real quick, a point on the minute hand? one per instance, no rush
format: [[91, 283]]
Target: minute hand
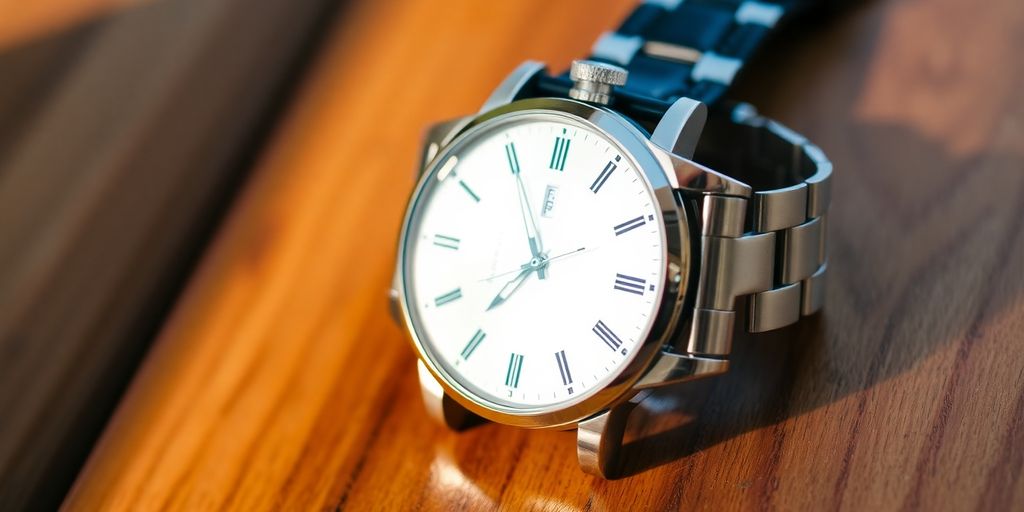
[[536, 245]]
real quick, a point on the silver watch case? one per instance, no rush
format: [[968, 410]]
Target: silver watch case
[[667, 171]]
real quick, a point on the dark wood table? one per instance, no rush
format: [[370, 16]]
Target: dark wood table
[[278, 380]]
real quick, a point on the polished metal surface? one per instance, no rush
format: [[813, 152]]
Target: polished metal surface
[[677, 219], [819, 186], [801, 251], [775, 308], [767, 243], [440, 406], [713, 335], [780, 208], [593, 81], [679, 130], [813, 292], [511, 88], [599, 440], [723, 216], [731, 267], [437, 136], [671, 368], [785, 277], [692, 177]]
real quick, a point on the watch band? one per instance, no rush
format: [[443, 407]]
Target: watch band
[[769, 245], [676, 48]]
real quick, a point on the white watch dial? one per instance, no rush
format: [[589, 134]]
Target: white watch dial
[[533, 262]]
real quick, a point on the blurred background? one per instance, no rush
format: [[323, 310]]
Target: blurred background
[[199, 203]]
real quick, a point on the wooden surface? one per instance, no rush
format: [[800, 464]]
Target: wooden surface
[[280, 381], [121, 141], [25, 20]]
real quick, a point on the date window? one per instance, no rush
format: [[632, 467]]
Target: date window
[[550, 195]]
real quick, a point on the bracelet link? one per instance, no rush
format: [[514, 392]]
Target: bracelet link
[[778, 257], [730, 267]]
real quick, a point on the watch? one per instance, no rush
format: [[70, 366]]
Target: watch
[[590, 236]]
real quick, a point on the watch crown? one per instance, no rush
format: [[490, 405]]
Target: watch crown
[[593, 81]]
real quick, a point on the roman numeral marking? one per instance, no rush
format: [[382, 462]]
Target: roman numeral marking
[[448, 297], [630, 284], [629, 225], [473, 343], [469, 191], [609, 168], [447, 242], [515, 366], [563, 368], [513, 160], [559, 153], [607, 336]]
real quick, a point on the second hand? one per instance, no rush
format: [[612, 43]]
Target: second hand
[[522, 267]]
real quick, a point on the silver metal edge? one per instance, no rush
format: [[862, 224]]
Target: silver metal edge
[[677, 270]]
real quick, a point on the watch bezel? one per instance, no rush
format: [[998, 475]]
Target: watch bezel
[[677, 223]]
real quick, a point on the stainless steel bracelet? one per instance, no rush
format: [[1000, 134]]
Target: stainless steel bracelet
[[769, 245]]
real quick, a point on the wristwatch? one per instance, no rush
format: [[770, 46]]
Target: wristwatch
[[586, 237]]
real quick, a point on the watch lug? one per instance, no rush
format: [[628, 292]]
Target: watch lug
[[395, 307], [676, 137], [440, 406], [511, 88], [694, 178], [438, 135], [675, 368], [599, 438], [680, 127]]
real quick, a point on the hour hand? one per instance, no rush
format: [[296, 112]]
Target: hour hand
[[510, 287]]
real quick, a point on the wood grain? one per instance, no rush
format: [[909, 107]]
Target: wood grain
[[24, 20], [280, 382], [120, 144]]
